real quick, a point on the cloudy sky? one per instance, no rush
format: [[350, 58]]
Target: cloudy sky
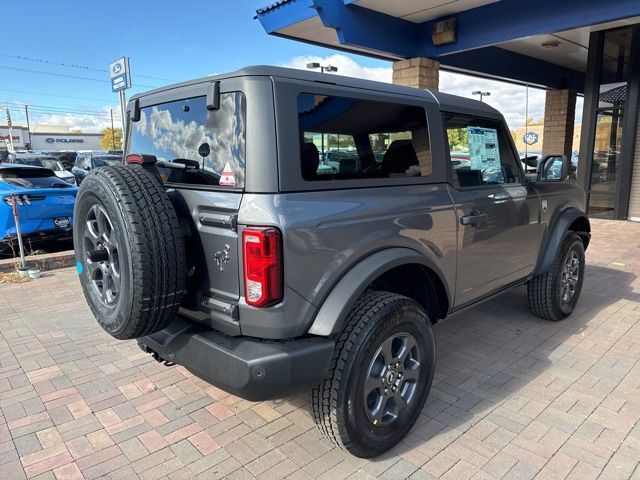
[[67, 82], [507, 98]]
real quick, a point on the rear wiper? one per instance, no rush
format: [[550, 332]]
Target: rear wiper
[[181, 163]]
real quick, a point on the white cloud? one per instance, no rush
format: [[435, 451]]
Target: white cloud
[[346, 66], [87, 122], [508, 98]]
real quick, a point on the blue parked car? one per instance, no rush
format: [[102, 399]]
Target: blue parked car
[[44, 201]]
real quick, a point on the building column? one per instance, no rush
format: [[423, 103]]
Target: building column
[[559, 113], [417, 72]]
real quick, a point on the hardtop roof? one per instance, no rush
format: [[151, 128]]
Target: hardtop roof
[[445, 100]]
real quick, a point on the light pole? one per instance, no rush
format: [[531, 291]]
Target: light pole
[[482, 94], [113, 132], [323, 68]]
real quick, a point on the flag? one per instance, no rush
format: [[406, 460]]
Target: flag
[[9, 124]]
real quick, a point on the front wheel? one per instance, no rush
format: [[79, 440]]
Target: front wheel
[[380, 375], [553, 295]]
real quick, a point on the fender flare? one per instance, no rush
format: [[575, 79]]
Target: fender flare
[[337, 305], [555, 236]]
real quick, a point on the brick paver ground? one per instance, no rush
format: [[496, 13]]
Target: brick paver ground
[[514, 396]]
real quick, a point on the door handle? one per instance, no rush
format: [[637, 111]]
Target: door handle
[[473, 218], [499, 196]]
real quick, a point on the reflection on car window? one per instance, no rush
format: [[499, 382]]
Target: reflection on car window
[[40, 162], [29, 179], [553, 168], [348, 138], [107, 161], [480, 152], [212, 142]]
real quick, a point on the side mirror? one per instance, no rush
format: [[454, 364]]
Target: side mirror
[[552, 168]]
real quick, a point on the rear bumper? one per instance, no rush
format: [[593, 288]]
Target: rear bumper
[[35, 238], [249, 368]]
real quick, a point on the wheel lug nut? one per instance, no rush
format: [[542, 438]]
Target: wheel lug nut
[[400, 375]]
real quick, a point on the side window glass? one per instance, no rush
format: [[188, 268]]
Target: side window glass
[[480, 152], [346, 138]]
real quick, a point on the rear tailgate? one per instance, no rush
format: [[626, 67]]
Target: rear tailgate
[[205, 133], [213, 256], [49, 203]]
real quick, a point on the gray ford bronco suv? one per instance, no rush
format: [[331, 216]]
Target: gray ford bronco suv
[[277, 230]]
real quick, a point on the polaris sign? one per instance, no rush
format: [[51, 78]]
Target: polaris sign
[[64, 140], [54, 142]]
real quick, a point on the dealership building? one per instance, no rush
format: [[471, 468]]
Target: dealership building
[[49, 138], [569, 48]]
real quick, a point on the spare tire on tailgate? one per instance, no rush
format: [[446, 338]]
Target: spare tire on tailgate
[[129, 251]]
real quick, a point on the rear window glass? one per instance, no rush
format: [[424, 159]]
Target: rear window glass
[[50, 163], [210, 142], [32, 179], [348, 138], [107, 161]]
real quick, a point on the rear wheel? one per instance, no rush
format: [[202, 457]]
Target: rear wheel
[[380, 375], [129, 251], [553, 295]]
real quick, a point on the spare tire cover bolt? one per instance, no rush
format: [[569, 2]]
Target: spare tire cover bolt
[[99, 255]]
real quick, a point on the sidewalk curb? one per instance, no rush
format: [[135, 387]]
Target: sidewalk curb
[[46, 261]]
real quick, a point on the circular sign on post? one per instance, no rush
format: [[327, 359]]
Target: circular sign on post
[[204, 150], [530, 138]]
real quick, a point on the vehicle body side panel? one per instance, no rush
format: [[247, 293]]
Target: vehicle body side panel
[[324, 237], [338, 304], [566, 202], [501, 249]]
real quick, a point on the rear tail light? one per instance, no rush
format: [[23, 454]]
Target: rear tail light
[[262, 252], [21, 200], [134, 158]]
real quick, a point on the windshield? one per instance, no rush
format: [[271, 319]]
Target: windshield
[[50, 163], [32, 179], [110, 161], [210, 142]]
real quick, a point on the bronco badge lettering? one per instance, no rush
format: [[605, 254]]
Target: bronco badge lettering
[[222, 257]]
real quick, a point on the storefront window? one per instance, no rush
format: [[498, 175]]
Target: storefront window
[[612, 100]]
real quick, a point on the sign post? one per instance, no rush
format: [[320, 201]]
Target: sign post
[[120, 81], [14, 205]]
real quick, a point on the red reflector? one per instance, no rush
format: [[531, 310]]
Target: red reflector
[[261, 249], [134, 158]]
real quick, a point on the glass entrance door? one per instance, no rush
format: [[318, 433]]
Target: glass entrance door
[[605, 164], [611, 105]]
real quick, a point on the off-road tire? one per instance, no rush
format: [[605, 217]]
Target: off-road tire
[[337, 407], [152, 258], [544, 290]]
